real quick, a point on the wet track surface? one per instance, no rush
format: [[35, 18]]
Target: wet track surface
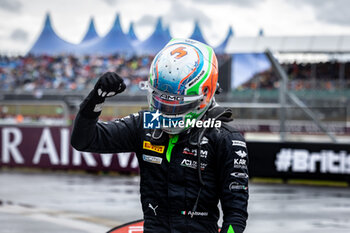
[[71, 203]]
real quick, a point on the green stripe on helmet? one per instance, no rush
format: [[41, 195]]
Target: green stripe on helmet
[[150, 79], [194, 90]]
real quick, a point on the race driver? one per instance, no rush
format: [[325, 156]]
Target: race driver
[[185, 169]]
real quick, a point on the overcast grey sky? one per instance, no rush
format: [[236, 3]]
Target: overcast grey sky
[[21, 20]]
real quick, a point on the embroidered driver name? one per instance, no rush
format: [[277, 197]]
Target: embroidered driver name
[[156, 148]]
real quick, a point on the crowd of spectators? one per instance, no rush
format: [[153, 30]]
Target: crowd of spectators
[[30, 73], [305, 76], [73, 73]]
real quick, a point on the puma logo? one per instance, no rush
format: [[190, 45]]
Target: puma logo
[[153, 208]]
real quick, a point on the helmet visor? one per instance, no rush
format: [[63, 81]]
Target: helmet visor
[[171, 104], [173, 107]]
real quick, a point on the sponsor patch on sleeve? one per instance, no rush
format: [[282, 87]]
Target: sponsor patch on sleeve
[[234, 186], [239, 175], [241, 153], [239, 143]]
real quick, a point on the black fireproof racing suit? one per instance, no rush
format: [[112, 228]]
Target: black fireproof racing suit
[[169, 178]]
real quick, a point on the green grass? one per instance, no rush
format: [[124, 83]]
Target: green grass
[[33, 110]]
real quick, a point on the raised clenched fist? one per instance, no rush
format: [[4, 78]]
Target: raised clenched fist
[[109, 84]]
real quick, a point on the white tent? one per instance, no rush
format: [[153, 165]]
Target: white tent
[[289, 44]]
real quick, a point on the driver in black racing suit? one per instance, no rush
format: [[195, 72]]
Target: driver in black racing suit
[[177, 195]]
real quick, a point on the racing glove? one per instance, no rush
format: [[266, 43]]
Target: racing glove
[[108, 85]]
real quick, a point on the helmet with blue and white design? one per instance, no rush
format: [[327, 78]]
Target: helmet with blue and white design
[[183, 80]]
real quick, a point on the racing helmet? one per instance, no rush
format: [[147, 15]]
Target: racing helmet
[[182, 83]]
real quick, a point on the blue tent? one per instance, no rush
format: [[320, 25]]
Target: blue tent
[[155, 42], [222, 46], [114, 42], [197, 34], [49, 42], [91, 33], [167, 33], [131, 34]]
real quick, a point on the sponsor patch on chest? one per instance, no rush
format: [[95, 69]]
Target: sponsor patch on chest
[[156, 148], [152, 159], [192, 164], [187, 151]]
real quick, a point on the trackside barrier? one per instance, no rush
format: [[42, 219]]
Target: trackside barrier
[[49, 147], [300, 160]]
